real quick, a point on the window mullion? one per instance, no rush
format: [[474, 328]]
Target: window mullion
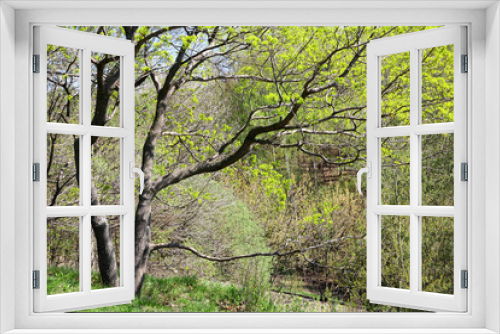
[[414, 172], [86, 121], [86, 177]]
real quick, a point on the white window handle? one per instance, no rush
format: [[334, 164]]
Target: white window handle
[[135, 170], [368, 171]]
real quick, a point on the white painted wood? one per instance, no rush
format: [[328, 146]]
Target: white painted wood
[[127, 229], [394, 210], [7, 166], [107, 131], [415, 298], [258, 331], [392, 131], [85, 185], [434, 211], [491, 163], [86, 43], [471, 322], [373, 185], [415, 166], [407, 210], [78, 211], [431, 129], [418, 129], [460, 155], [76, 129], [248, 4]]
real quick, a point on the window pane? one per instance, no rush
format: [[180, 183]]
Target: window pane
[[105, 253], [437, 254], [437, 170], [105, 90], [437, 84], [105, 171], [395, 89], [395, 171], [395, 243], [63, 255], [62, 170], [63, 85]]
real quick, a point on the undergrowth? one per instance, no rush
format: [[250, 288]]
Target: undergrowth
[[181, 294]]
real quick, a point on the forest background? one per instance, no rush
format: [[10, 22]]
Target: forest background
[[250, 139]]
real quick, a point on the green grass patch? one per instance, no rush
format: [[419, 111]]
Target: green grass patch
[[180, 294], [62, 280], [65, 280], [189, 294]]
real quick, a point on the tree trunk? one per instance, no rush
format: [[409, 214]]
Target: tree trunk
[[142, 239], [105, 252], [106, 255]]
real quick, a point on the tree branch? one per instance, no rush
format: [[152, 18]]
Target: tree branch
[[157, 33], [218, 162], [240, 77], [278, 253]]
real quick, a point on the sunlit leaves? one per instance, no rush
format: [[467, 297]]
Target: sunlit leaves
[[437, 84], [395, 89]]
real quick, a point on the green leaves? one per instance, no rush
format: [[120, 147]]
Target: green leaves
[[272, 98]]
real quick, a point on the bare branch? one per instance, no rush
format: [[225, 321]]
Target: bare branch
[[179, 134], [240, 77], [278, 253], [328, 161]]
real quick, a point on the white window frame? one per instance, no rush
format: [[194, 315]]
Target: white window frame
[[483, 20], [414, 297], [85, 44]]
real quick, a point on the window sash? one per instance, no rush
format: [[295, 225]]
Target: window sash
[[86, 298], [414, 298]]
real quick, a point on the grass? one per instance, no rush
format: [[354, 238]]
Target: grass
[[181, 294], [62, 280], [65, 280]]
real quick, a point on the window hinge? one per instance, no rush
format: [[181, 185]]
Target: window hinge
[[36, 63], [36, 279], [36, 172], [465, 279], [464, 171], [465, 64]]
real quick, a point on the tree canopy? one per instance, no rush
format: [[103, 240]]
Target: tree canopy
[[263, 113]]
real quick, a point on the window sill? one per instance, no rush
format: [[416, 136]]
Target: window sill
[[251, 331]]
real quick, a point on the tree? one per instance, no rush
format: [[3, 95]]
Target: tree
[[299, 88], [266, 124]]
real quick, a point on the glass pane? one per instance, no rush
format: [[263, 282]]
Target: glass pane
[[63, 255], [395, 89], [63, 85], [395, 243], [437, 84], [395, 171], [105, 90], [437, 170], [105, 258], [437, 254], [62, 170], [105, 171]]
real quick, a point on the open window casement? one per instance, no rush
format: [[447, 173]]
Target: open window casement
[[82, 186], [416, 147]]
